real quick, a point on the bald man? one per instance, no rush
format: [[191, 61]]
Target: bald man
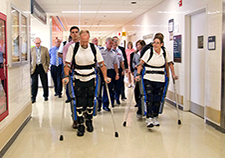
[[56, 68], [39, 66], [84, 61]]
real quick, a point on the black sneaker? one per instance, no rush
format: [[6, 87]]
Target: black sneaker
[[81, 130], [68, 100], [89, 125]]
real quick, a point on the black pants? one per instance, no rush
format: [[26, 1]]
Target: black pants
[[101, 84], [154, 92], [111, 74], [56, 72], [84, 93], [123, 88], [118, 85], [44, 81]]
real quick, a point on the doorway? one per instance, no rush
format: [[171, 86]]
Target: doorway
[[196, 43]]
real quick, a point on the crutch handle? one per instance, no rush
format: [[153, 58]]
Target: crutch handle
[[174, 79]]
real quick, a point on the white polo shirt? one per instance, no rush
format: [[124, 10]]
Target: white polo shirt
[[156, 60], [84, 57]]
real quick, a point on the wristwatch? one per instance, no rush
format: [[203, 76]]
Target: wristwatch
[[66, 76], [138, 74], [67, 65]]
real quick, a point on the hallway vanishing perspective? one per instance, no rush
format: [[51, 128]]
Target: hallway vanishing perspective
[[40, 138]]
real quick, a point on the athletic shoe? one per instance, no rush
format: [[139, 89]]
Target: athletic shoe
[[106, 109], [89, 125], [155, 121], [81, 130], [139, 116], [68, 100], [149, 122]]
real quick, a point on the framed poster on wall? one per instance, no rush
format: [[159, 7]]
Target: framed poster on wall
[[3, 68], [177, 47]]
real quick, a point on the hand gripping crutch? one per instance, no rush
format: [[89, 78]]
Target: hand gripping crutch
[[131, 99], [175, 96], [64, 95], [112, 114]]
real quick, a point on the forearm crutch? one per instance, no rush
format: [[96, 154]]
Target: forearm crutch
[[175, 96], [62, 120], [131, 99], [112, 114]]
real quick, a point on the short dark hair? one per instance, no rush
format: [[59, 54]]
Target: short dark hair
[[74, 27], [160, 38], [142, 42], [159, 35]]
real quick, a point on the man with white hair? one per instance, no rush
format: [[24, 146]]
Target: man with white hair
[[39, 66]]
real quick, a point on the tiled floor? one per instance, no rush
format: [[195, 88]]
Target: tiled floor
[[40, 138]]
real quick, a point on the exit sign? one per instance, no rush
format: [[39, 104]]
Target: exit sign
[[180, 3]]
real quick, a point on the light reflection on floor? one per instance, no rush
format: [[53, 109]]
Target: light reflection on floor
[[40, 138]]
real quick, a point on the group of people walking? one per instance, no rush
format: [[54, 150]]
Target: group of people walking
[[79, 62]]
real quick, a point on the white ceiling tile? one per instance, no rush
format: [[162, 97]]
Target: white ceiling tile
[[55, 8]]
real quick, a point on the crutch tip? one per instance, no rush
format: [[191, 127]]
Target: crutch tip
[[179, 122], [116, 134], [124, 123], [61, 138]]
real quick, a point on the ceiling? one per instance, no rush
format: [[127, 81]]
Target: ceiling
[[98, 23]]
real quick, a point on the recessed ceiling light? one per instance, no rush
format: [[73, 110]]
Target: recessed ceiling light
[[133, 2], [96, 12]]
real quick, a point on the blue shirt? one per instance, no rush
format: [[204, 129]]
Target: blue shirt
[[110, 57], [38, 55], [53, 52], [119, 55]]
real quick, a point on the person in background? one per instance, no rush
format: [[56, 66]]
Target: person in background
[[39, 66], [139, 91], [129, 50], [121, 69], [74, 33], [111, 61], [95, 42], [123, 97], [56, 67]]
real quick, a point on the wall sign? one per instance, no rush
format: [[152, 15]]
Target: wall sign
[[177, 47], [200, 42], [170, 25], [38, 12], [212, 43]]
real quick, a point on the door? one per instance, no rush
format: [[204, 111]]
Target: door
[[3, 68], [198, 46]]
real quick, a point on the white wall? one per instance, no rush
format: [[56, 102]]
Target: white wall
[[19, 91], [38, 29], [156, 20]]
